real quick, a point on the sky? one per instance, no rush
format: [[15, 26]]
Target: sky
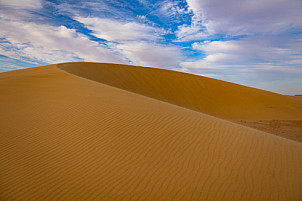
[[254, 43]]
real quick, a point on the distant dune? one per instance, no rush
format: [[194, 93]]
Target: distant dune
[[87, 131]]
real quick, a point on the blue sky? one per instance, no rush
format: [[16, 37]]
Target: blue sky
[[255, 43]]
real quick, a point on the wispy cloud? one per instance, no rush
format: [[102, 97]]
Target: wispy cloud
[[24, 4], [257, 55], [175, 9], [51, 44], [113, 30], [248, 17], [252, 50], [151, 54], [138, 42]]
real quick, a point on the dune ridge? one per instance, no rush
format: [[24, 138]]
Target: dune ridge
[[68, 138]]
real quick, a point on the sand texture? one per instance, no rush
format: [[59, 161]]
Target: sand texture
[[65, 137]]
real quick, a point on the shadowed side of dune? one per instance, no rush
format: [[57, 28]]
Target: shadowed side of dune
[[206, 95], [68, 138]]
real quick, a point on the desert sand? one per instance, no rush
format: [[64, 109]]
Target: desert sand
[[274, 113], [87, 131]]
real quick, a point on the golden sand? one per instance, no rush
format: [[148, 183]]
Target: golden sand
[[207, 95], [251, 107], [64, 137]]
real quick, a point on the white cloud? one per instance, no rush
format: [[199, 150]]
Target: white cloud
[[22, 4], [19, 10], [252, 50], [138, 42], [248, 17], [241, 17], [172, 8], [151, 54], [113, 30], [12, 52], [270, 53], [192, 32], [52, 44]]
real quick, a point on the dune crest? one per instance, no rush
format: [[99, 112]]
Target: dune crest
[[68, 138]]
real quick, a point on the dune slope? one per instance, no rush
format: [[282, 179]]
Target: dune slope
[[63, 137], [270, 112], [215, 97]]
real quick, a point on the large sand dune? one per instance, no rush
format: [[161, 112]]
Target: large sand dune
[[64, 137], [218, 98], [274, 113]]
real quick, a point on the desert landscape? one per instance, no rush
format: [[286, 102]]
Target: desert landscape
[[101, 131]]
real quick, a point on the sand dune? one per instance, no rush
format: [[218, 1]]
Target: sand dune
[[217, 98], [248, 106], [64, 137]]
